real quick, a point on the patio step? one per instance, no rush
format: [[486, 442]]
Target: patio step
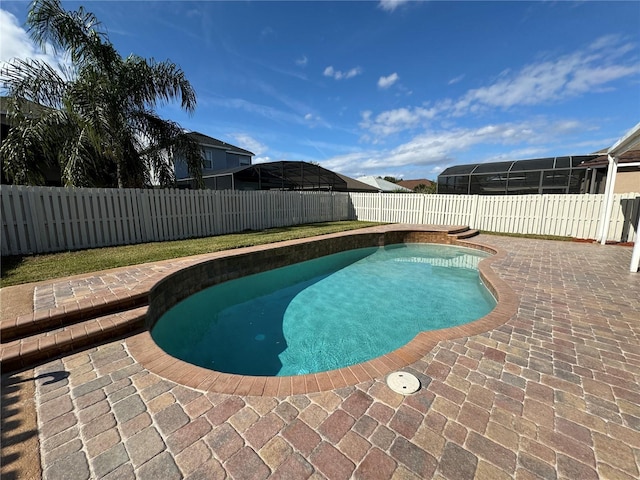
[[36, 347], [454, 230], [46, 320], [463, 234]]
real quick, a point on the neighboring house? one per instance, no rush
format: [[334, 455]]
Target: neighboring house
[[4, 117], [217, 156], [413, 184], [50, 173], [383, 185], [627, 177], [567, 174], [354, 185]]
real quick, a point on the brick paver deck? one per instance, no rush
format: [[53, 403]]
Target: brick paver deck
[[552, 393]]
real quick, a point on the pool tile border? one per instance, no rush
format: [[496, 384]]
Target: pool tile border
[[143, 348]]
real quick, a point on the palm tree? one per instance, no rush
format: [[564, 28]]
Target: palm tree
[[96, 119]]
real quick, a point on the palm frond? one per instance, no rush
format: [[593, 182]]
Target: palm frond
[[33, 80], [77, 32], [97, 121]]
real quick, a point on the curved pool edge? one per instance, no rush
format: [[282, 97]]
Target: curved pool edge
[[144, 349]]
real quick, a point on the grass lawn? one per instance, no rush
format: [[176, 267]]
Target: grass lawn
[[34, 268], [530, 235]]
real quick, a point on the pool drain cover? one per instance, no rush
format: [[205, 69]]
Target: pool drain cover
[[403, 382]]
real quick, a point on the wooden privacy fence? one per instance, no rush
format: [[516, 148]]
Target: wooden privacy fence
[[563, 215], [44, 219]]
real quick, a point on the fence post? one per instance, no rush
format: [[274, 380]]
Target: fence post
[[144, 207], [36, 219], [473, 217]]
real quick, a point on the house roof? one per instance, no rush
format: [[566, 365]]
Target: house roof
[[354, 185], [411, 184], [33, 108], [382, 184], [208, 141], [630, 156]]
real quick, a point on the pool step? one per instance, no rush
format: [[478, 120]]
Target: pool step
[[38, 346], [464, 233], [46, 320]]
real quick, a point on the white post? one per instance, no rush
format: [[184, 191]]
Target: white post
[[473, 217], [608, 201], [603, 210], [635, 256]]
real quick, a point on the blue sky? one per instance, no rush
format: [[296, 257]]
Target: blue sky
[[391, 87]]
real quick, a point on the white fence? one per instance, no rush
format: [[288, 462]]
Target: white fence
[[563, 215], [43, 219]]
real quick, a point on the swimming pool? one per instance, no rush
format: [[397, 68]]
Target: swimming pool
[[326, 313]]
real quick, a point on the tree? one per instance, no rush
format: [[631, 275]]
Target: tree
[[96, 119], [422, 188], [392, 179]]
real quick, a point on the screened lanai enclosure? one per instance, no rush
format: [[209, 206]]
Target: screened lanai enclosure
[[273, 176], [521, 177]]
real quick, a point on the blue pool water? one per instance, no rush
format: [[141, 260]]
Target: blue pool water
[[326, 313]]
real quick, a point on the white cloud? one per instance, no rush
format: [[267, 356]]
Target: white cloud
[[455, 80], [294, 113], [391, 5], [247, 142], [264, 159], [340, 75], [392, 121], [302, 61], [353, 72], [349, 164], [265, 111], [565, 77], [606, 42], [551, 80], [441, 147], [517, 154], [386, 82], [17, 44], [313, 120]]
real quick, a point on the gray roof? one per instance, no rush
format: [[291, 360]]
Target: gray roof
[[354, 185], [382, 184], [208, 141]]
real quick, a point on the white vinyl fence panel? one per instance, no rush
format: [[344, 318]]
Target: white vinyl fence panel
[[562, 215], [45, 219]]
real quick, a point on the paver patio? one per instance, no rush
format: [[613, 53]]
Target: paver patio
[[552, 393]]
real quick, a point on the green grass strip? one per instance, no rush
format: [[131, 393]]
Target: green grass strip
[[529, 235], [34, 268]]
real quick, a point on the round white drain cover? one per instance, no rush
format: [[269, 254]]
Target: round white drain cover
[[403, 382]]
